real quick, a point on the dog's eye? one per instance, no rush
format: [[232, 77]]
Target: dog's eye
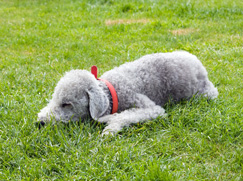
[[66, 105]]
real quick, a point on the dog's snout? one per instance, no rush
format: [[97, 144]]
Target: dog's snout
[[40, 124]]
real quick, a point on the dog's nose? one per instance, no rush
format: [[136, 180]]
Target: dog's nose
[[40, 124]]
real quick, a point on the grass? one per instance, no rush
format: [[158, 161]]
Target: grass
[[41, 39]]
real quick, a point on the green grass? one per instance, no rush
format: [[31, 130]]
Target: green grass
[[41, 39]]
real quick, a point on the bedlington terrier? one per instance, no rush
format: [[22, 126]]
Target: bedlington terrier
[[141, 86]]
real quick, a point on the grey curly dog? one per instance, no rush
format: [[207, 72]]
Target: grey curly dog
[[142, 87]]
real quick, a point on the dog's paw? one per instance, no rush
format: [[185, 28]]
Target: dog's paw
[[112, 129], [107, 133]]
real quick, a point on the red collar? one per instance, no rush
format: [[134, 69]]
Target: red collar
[[94, 71]]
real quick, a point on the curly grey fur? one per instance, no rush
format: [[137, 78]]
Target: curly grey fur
[[142, 86]]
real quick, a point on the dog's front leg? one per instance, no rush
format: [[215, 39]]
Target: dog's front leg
[[145, 109]]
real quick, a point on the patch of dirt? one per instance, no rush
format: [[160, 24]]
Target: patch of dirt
[[185, 31], [126, 21]]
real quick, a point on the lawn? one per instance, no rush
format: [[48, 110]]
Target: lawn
[[40, 40]]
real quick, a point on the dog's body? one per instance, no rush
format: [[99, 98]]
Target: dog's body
[[142, 87]]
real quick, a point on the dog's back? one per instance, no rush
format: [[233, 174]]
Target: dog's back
[[163, 76]]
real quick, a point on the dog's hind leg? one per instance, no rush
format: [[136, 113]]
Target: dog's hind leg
[[208, 90], [212, 92]]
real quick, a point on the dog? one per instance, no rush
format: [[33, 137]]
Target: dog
[[131, 93]]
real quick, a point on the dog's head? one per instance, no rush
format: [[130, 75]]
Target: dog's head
[[76, 96]]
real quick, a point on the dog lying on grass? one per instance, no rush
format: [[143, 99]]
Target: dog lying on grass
[[131, 93]]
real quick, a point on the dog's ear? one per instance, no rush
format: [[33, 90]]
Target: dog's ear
[[98, 102]]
